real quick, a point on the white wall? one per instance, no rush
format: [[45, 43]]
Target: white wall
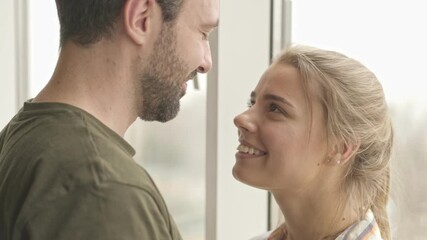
[[7, 62]]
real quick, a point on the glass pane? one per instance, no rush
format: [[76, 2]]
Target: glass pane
[[8, 89], [386, 36], [43, 43], [174, 154]]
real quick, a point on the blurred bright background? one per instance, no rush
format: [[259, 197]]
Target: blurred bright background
[[191, 157], [390, 38]]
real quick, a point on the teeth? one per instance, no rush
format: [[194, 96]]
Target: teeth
[[246, 149], [252, 151], [249, 150]]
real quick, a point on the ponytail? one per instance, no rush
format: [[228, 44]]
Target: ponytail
[[379, 208]]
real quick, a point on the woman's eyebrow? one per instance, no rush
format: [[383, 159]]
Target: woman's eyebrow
[[253, 94], [274, 98], [278, 99]]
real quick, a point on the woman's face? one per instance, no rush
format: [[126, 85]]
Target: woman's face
[[282, 140]]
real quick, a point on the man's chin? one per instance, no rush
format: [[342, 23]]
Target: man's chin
[[164, 115], [166, 118], [183, 89], [183, 94]]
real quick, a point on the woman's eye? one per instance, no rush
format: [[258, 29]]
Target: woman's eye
[[276, 109]]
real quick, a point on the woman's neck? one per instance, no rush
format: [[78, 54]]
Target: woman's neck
[[314, 214]]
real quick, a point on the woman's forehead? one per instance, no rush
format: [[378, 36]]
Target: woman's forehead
[[285, 80], [281, 80]]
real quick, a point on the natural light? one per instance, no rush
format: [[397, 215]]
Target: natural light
[[385, 35]]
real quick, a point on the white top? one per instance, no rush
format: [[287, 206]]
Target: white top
[[262, 237], [366, 229]]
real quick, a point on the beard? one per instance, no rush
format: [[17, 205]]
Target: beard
[[161, 82]]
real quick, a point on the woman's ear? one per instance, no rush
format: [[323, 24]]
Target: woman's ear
[[139, 17], [342, 152]]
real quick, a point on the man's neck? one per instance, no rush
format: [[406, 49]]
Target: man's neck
[[97, 80]]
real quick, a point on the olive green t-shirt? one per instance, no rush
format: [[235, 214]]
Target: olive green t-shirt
[[65, 175]]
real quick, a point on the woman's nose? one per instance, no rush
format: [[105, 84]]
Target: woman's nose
[[245, 122]]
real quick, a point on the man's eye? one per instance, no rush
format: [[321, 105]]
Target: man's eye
[[205, 36]]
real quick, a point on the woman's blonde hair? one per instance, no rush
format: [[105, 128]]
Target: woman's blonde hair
[[356, 112]]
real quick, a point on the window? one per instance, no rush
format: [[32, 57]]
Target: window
[[386, 36], [174, 154]]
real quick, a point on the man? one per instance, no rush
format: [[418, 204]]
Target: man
[[65, 170]]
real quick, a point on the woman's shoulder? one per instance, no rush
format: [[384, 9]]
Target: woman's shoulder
[[366, 229], [262, 236]]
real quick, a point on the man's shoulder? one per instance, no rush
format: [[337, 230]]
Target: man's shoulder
[[36, 127], [62, 147]]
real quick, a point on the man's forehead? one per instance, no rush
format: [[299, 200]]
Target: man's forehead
[[210, 7]]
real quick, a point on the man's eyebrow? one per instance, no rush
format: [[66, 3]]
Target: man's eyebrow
[[274, 98], [216, 23], [209, 25]]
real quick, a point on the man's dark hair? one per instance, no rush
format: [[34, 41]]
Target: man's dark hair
[[88, 21]]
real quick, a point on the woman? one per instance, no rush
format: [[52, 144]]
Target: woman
[[318, 136]]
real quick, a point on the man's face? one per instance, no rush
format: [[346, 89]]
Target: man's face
[[163, 81], [181, 51]]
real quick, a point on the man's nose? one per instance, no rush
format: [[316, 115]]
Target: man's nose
[[206, 63]]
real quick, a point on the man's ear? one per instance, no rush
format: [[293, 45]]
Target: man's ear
[[342, 152], [138, 19]]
